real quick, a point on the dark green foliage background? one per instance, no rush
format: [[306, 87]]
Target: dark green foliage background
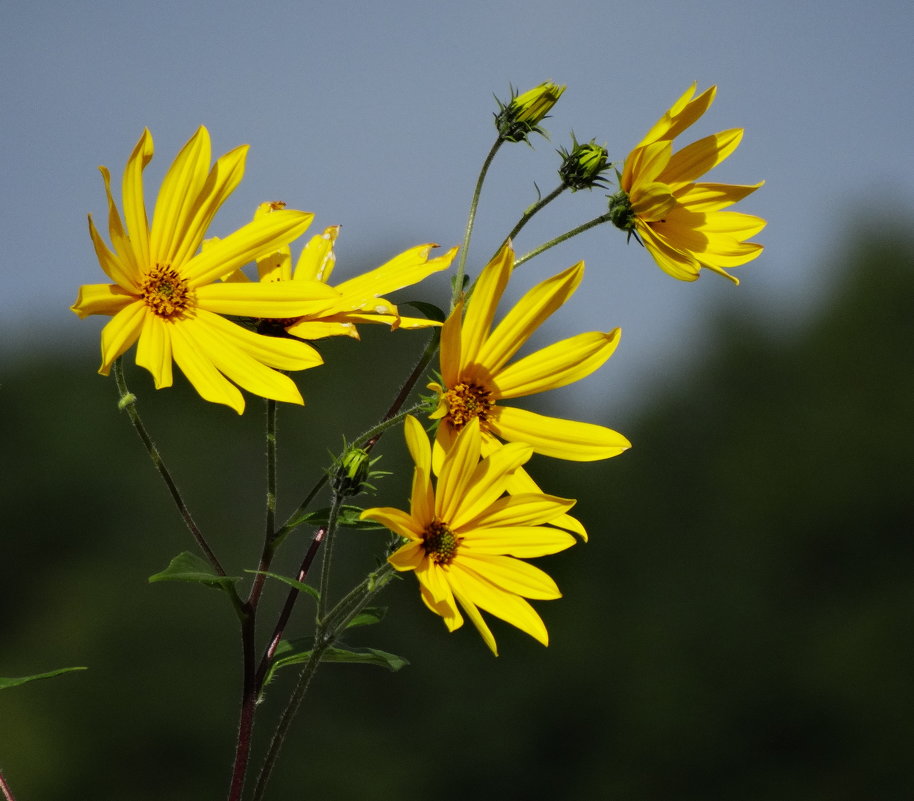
[[738, 627]]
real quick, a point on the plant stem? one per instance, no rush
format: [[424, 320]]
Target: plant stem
[[5, 788], [324, 638], [127, 402], [559, 239], [250, 682], [529, 212], [471, 218]]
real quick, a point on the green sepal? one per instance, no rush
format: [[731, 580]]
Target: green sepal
[[430, 310], [187, 566], [298, 585], [298, 651], [6, 683]]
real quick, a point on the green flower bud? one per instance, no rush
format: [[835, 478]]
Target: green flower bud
[[352, 472], [621, 214], [583, 166], [521, 117]]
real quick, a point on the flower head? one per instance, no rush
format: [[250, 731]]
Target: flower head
[[477, 373], [163, 294], [520, 117], [359, 299], [679, 221], [477, 376], [463, 539]]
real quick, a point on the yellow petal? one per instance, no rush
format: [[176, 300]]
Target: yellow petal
[[121, 271], [395, 519], [284, 354], [670, 259], [506, 605], [317, 259], [696, 159], [120, 333], [557, 365], [644, 165], [222, 180], [520, 482], [437, 595], [480, 309], [134, 202], [178, 197], [652, 201], [681, 115], [525, 317], [552, 436], [486, 482], [410, 267], [154, 349], [248, 243], [524, 509], [521, 541], [201, 372], [510, 574], [407, 557], [101, 299], [272, 301], [451, 358], [276, 266], [119, 240], [713, 197], [473, 614], [237, 364], [456, 473], [319, 329]]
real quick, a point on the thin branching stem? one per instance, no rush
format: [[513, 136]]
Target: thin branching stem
[[471, 219], [127, 402], [559, 239], [530, 212]]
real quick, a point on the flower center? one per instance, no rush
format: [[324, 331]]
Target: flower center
[[466, 401], [440, 543], [165, 292]]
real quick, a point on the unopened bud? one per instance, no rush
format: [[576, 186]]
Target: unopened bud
[[583, 166], [521, 117]]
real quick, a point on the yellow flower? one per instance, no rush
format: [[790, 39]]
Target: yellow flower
[[477, 377], [681, 222], [164, 296], [359, 299], [463, 537]]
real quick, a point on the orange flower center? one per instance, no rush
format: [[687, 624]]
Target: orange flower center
[[165, 292], [466, 401], [440, 543]]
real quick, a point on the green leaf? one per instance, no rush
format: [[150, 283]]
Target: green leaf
[[5, 683], [368, 616], [187, 566], [348, 517], [430, 310], [298, 585], [298, 651]]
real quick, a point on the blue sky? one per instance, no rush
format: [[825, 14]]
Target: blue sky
[[377, 116]]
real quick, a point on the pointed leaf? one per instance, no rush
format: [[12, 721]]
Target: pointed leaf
[[298, 585], [187, 566], [6, 682], [368, 616]]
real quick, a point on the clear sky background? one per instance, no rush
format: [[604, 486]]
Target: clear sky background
[[378, 115]]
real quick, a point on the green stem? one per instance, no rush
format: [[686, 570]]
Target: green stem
[[529, 212], [127, 402], [335, 503], [471, 218], [324, 638], [559, 239]]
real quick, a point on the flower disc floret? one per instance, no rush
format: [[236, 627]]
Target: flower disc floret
[[466, 402], [165, 292], [440, 543]]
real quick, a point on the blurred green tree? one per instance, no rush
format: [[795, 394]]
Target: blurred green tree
[[735, 629]]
